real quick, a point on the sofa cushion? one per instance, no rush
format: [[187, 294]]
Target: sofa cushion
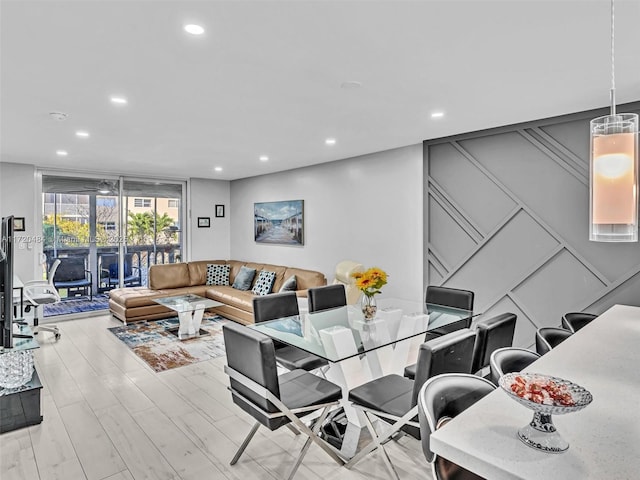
[[198, 270], [306, 278], [289, 285], [218, 274], [171, 275], [229, 295], [264, 283], [132, 297], [244, 279]]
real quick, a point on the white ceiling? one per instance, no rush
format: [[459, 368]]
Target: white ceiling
[[266, 77]]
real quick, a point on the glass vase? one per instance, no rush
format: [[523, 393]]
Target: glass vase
[[369, 306]]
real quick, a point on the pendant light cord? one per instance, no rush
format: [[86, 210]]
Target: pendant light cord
[[613, 68]]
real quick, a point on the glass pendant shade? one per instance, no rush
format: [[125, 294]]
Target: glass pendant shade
[[613, 184]]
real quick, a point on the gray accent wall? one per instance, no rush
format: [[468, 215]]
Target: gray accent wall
[[506, 215]]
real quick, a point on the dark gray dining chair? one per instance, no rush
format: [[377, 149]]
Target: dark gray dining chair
[[574, 321], [508, 360], [393, 399], [275, 401], [491, 334], [548, 338], [278, 305], [441, 399], [324, 298]]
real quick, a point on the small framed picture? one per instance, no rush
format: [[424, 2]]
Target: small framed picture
[[219, 211], [204, 222], [18, 224]]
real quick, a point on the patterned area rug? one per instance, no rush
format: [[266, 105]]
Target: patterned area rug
[[77, 305], [162, 350]]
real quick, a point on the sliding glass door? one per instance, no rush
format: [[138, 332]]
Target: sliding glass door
[[115, 228]]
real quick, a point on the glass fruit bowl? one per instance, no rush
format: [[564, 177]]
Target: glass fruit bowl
[[546, 396]]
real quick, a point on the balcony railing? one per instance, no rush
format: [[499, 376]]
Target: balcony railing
[[143, 256]]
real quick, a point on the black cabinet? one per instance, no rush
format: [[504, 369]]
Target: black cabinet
[[22, 407]]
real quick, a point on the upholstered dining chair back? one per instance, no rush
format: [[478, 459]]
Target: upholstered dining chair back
[[574, 321], [444, 397], [324, 298], [491, 334], [344, 272], [274, 305], [508, 360], [252, 354], [450, 297], [450, 353], [548, 338]]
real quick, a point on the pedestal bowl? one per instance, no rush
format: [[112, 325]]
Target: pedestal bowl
[[546, 396]]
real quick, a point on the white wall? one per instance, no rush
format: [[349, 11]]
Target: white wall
[[367, 209], [209, 243], [18, 198]]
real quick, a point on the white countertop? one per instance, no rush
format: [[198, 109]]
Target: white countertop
[[604, 438]]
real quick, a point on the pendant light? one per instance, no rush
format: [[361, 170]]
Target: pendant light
[[613, 182]]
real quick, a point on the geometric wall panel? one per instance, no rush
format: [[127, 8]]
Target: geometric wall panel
[[561, 285], [449, 240], [506, 215], [501, 263], [476, 195]]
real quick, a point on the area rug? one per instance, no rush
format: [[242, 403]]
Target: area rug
[[162, 350], [77, 305]]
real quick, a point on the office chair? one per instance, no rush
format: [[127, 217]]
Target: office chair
[[38, 293], [574, 321], [548, 338], [510, 359], [323, 298]]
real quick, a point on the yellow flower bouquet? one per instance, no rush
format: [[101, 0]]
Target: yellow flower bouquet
[[369, 283]]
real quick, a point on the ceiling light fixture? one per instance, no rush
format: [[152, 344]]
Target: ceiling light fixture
[[437, 115], [105, 188], [264, 158], [194, 29], [59, 116], [330, 141], [62, 153], [82, 133], [119, 100], [613, 168], [351, 84], [218, 169]]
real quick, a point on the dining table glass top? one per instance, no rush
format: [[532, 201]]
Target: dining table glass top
[[310, 331]]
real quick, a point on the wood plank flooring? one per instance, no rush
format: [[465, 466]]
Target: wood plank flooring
[[108, 416]]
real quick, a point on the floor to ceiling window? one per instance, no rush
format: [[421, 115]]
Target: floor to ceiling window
[[107, 233]]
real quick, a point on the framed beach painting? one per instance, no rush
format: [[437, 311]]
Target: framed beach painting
[[279, 222]]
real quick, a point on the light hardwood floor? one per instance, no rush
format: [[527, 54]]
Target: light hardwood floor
[[108, 416]]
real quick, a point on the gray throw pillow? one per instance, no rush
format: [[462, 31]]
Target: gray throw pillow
[[264, 283], [289, 285], [244, 278], [217, 274]]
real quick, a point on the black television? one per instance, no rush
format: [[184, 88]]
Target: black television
[[6, 282]]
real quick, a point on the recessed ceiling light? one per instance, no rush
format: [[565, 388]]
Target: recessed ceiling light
[[119, 100], [264, 158], [330, 141], [82, 133], [218, 169], [62, 153], [59, 116], [350, 84], [437, 115], [194, 29]]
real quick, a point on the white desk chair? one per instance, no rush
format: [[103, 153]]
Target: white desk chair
[[38, 293]]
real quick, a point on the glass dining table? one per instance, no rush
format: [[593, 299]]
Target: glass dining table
[[360, 350], [312, 332]]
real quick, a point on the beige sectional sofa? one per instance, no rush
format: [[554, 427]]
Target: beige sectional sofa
[[132, 304]]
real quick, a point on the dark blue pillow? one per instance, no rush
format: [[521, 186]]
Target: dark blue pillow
[[244, 278]]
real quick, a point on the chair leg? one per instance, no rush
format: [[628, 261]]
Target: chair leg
[[307, 444], [293, 429], [380, 447], [246, 441]]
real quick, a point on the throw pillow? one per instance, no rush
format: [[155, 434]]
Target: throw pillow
[[217, 274], [290, 285], [244, 278], [264, 282]]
